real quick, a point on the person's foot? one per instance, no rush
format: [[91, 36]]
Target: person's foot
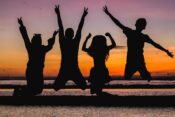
[[16, 91], [56, 87], [92, 91], [83, 87], [99, 93], [149, 79]]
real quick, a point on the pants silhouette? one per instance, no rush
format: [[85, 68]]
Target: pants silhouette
[[36, 53], [69, 46]]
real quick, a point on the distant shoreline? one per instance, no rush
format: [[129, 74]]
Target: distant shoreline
[[113, 78]]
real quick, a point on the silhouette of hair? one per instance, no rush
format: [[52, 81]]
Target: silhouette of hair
[[141, 23], [36, 40], [99, 44], [69, 33]]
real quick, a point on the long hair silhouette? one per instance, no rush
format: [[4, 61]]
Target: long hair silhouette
[[99, 51], [99, 46]]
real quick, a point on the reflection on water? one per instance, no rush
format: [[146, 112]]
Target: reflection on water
[[64, 111], [119, 92]]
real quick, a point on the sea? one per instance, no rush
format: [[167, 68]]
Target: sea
[[90, 111]]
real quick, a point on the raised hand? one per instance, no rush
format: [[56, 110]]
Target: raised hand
[[170, 54], [85, 11], [89, 36], [57, 9], [108, 34], [55, 33], [20, 21], [105, 9]]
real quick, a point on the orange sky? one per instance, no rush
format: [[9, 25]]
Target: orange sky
[[158, 63], [39, 17]]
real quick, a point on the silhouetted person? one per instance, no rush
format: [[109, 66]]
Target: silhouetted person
[[36, 54], [69, 45], [135, 43], [99, 51]]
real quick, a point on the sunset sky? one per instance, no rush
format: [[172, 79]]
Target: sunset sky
[[39, 17]]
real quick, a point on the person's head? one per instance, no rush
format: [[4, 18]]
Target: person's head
[[141, 24], [36, 40], [69, 33], [99, 46]]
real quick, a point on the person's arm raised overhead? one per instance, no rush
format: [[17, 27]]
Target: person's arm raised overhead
[[51, 42], [170, 54], [85, 43], [113, 45], [24, 33], [116, 21], [60, 24], [80, 26]]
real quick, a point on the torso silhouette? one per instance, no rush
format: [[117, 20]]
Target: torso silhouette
[[69, 69], [99, 73], [99, 59], [35, 66], [69, 53], [135, 44], [36, 57]]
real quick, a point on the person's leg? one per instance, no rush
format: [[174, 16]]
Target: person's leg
[[80, 81], [106, 76], [144, 73], [29, 76], [60, 82], [23, 91], [38, 82], [129, 71]]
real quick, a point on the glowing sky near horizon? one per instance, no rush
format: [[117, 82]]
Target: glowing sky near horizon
[[39, 17]]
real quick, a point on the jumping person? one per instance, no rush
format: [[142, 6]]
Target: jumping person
[[99, 51], [69, 45], [36, 54], [135, 43]]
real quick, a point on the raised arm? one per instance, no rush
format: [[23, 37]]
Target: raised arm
[[113, 45], [170, 54], [24, 34], [60, 24], [85, 43], [51, 42], [116, 21], [80, 26]]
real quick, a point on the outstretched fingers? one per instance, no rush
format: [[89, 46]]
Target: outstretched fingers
[[55, 32], [89, 36], [85, 11], [108, 34], [20, 21], [170, 54], [56, 8], [105, 9]]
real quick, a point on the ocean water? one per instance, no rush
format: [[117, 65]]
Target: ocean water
[[119, 92], [90, 111]]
